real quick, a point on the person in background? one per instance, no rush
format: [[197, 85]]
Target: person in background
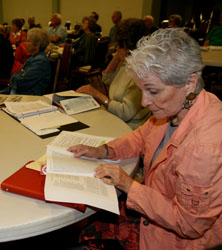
[[97, 28], [85, 47], [57, 32], [17, 35], [6, 54], [124, 97], [32, 24], [116, 19], [149, 20], [214, 37], [180, 200], [35, 75], [175, 21], [21, 55]]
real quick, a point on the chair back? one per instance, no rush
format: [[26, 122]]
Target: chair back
[[101, 52], [66, 59]]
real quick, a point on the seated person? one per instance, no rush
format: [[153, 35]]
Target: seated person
[[149, 20], [17, 35], [175, 21], [116, 19], [214, 37], [32, 24], [97, 28], [35, 75], [180, 199], [21, 55], [85, 47], [124, 97], [57, 32], [6, 52]]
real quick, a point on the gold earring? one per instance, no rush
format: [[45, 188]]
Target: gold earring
[[188, 103]]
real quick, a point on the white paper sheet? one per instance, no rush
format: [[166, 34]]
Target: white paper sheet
[[47, 120], [81, 189]]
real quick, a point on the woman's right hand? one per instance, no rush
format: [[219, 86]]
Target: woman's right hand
[[92, 152], [122, 53]]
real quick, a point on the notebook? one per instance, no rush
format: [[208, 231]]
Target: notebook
[[30, 183]]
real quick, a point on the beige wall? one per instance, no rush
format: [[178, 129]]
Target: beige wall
[[41, 9], [73, 10]]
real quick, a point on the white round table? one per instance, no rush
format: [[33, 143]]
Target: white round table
[[22, 217]]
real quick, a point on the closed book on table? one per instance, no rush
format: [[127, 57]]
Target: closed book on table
[[30, 183]]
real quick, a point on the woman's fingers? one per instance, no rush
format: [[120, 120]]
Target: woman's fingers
[[81, 150], [114, 174]]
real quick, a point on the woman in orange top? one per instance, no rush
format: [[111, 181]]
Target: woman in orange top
[[17, 35], [180, 201]]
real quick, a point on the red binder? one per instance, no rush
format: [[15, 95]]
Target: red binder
[[29, 182]]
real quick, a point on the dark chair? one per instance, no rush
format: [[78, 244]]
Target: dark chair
[[99, 64], [4, 85], [61, 69]]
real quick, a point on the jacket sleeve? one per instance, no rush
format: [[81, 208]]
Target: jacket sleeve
[[30, 76], [108, 78], [197, 202]]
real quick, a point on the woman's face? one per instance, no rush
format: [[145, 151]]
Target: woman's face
[[85, 25], [15, 28], [165, 101], [31, 48]]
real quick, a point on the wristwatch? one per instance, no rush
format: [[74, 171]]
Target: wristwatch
[[106, 101]]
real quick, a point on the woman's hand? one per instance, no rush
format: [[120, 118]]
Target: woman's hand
[[87, 89], [92, 152], [114, 174], [90, 90], [122, 54]]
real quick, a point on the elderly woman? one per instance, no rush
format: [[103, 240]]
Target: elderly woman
[[17, 35], [180, 200], [85, 46], [124, 97], [35, 75]]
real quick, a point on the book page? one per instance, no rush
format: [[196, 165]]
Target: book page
[[63, 162], [67, 139], [78, 105], [81, 189]]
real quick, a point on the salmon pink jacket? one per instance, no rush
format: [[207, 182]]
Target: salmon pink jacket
[[181, 198]]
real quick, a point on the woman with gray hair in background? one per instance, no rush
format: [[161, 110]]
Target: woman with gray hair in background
[[180, 200], [35, 75]]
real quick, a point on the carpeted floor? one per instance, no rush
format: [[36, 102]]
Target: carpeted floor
[[123, 228]]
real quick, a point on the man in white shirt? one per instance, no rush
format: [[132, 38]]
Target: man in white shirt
[[57, 32]]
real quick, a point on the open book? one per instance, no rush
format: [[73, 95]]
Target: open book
[[72, 102], [38, 116], [25, 109], [71, 179]]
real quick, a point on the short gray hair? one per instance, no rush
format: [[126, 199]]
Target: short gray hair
[[170, 54], [151, 18], [39, 36], [58, 16]]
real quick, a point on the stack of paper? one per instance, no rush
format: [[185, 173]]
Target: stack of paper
[[71, 179], [38, 116]]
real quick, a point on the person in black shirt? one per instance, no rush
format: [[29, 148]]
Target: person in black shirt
[[6, 52]]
